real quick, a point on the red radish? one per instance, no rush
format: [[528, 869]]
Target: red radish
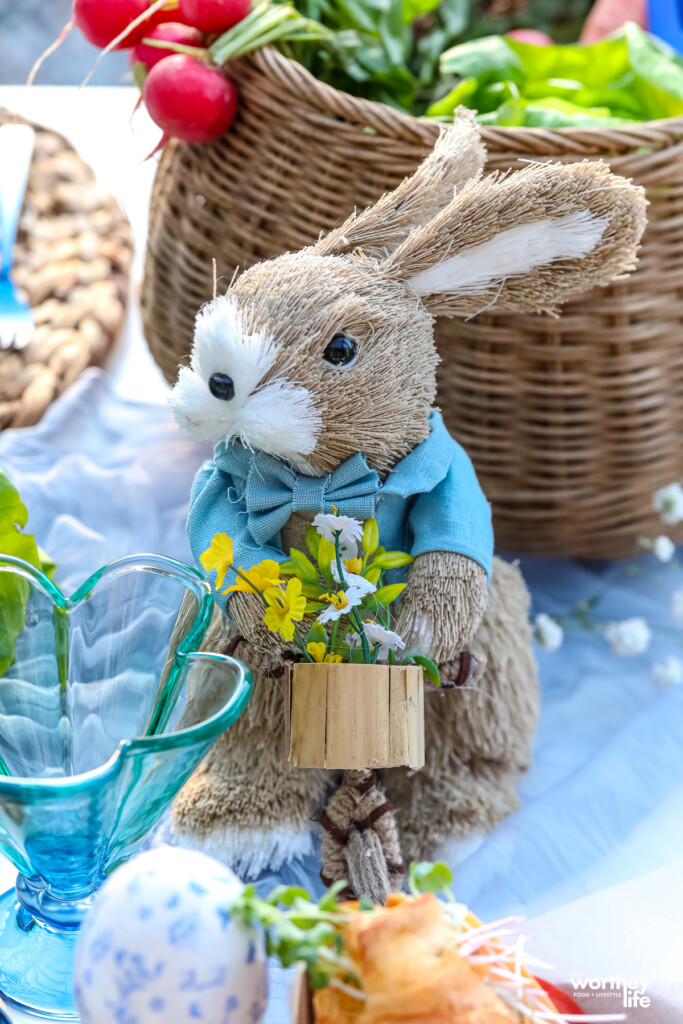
[[530, 35], [172, 32], [214, 16], [101, 21], [188, 99]]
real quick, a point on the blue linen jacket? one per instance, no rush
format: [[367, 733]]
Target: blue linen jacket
[[430, 501]]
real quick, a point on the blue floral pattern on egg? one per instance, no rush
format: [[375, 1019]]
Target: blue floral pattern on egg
[[160, 947]]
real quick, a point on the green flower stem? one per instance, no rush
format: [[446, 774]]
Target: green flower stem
[[356, 619], [337, 554], [332, 643], [353, 613], [300, 641]]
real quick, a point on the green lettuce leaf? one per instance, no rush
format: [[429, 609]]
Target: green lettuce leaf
[[488, 59], [631, 76], [413, 9], [658, 73], [14, 591]]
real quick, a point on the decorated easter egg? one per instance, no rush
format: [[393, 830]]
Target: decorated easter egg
[[160, 946]]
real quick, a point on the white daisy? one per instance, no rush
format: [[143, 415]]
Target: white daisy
[[548, 633], [358, 584], [349, 530], [668, 501], [629, 637], [669, 672], [663, 548], [388, 640]]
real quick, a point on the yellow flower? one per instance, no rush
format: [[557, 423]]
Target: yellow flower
[[354, 565], [317, 651], [333, 659], [284, 606], [218, 556], [338, 600], [265, 574]]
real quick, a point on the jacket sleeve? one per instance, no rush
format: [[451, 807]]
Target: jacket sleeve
[[216, 508], [454, 516]]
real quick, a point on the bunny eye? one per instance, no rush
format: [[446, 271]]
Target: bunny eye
[[341, 351]]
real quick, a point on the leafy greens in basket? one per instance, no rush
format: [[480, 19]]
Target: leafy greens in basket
[[631, 76], [400, 52]]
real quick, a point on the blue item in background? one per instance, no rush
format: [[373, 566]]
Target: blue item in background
[[666, 21]]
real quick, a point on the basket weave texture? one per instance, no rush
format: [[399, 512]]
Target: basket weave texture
[[572, 422]]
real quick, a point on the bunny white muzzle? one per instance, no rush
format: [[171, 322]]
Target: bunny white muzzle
[[224, 394]]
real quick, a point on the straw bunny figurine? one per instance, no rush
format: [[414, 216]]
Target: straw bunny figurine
[[315, 376]]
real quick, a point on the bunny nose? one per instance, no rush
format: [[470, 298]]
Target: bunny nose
[[221, 386]]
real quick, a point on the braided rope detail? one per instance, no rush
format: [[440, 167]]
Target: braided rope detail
[[360, 838]]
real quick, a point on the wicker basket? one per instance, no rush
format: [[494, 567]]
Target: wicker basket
[[572, 423]]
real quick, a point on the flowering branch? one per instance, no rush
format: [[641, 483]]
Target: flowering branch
[[632, 636]]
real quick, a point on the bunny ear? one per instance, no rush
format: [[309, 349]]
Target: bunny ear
[[457, 156], [523, 241]]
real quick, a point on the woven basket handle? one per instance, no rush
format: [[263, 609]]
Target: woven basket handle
[[303, 86]]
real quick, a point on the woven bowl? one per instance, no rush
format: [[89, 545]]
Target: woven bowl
[[572, 422], [72, 263]]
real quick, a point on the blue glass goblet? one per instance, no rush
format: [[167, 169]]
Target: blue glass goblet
[[105, 711]]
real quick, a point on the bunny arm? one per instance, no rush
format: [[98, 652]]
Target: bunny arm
[[442, 605], [245, 612]]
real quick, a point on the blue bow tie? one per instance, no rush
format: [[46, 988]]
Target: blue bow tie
[[273, 492]]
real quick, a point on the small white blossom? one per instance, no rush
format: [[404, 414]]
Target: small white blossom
[[677, 604], [629, 637], [668, 501], [549, 634], [669, 672], [350, 531], [356, 583], [388, 640], [663, 548]]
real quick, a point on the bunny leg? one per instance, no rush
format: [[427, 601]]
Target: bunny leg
[[478, 740], [242, 805]]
